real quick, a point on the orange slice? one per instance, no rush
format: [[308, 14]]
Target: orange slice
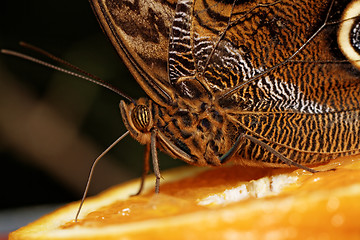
[[231, 202]]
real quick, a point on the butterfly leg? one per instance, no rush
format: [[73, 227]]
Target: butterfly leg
[[284, 159], [155, 160], [145, 170], [279, 155]]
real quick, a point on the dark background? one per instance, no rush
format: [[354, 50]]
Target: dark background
[[52, 125]]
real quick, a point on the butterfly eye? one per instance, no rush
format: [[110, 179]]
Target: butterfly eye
[[349, 33], [141, 117]]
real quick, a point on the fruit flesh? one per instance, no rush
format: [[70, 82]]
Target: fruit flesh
[[221, 203], [211, 190]]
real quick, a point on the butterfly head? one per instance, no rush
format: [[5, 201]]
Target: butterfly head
[[138, 119]]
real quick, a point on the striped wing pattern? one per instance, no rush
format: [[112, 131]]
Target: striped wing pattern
[[305, 109]]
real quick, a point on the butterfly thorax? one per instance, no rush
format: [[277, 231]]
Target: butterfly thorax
[[195, 133]]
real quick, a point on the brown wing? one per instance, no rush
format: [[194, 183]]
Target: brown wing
[[139, 31], [310, 104], [214, 46], [223, 44]]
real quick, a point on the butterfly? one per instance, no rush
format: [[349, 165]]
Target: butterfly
[[259, 83]]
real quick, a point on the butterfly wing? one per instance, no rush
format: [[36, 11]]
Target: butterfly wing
[[139, 31], [306, 106], [225, 50]]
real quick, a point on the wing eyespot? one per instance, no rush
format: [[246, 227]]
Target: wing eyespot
[[349, 33]]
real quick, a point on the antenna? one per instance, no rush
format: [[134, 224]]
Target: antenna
[[82, 73]]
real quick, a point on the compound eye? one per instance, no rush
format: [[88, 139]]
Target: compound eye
[[141, 117], [349, 33]]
